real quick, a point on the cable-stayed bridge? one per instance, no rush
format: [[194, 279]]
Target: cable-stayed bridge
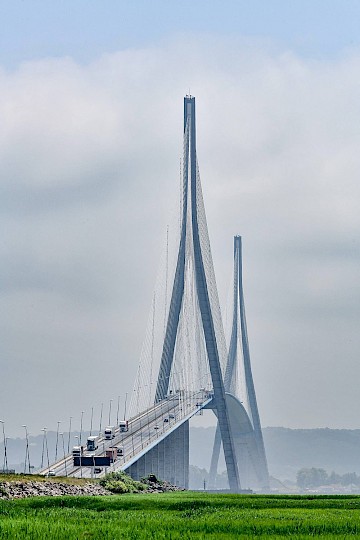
[[149, 437], [184, 365]]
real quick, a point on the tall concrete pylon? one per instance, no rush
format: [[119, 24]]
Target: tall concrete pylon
[[200, 248], [249, 442]]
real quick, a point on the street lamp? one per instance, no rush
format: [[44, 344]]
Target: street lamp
[[6, 442], [57, 439], [27, 451], [126, 395], [91, 420], [6, 466], [79, 445], [101, 415], [63, 445], [117, 412], [110, 411], [81, 426], [45, 447], [69, 434]]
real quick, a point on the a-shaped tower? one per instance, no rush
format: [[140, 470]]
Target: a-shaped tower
[[194, 247], [241, 397]]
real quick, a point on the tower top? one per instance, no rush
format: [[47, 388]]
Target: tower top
[[189, 114]]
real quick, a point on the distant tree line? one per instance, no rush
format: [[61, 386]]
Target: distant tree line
[[312, 478]]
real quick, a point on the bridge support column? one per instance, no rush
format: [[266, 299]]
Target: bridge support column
[[168, 460]]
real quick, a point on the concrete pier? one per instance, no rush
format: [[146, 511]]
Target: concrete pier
[[169, 460]]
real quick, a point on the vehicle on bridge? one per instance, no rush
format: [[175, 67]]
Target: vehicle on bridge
[[123, 425], [77, 451], [92, 443], [112, 453], [109, 432], [120, 450]]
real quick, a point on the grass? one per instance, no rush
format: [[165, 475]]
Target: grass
[[42, 478], [183, 515]]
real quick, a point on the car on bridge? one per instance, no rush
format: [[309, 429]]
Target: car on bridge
[[109, 432], [120, 450], [123, 426], [77, 451], [92, 443]]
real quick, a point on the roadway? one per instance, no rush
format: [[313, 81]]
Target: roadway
[[144, 432]]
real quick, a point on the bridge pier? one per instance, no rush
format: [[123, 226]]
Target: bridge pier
[[168, 460]]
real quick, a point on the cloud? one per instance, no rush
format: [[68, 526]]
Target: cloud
[[90, 165]]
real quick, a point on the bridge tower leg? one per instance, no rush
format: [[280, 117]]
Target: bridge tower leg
[[239, 323], [190, 228]]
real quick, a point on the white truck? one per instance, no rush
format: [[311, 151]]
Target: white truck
[[123, 425], [77, 451], [109, 432], [92, 443]]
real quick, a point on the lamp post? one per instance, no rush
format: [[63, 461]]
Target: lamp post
[[69, 434], [79, 445], [91, 420], [101, 415], [117, 412], [6, 442], [6, 466], [126, 395], [27, 451], [43, 450], [57, 439], [109, 424], [63, 445], [81, 426], [45, 447]]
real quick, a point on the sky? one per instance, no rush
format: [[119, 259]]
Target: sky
[[91, 112]]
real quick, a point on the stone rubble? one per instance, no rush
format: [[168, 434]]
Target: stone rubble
[[156, 486], [20, 490]]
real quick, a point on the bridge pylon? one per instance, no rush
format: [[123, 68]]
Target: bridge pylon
[[194, 250], [240, 389], [182, 363]]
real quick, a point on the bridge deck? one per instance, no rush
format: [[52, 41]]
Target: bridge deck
[[146, 430]]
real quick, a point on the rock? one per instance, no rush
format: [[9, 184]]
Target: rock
[[20, 490]]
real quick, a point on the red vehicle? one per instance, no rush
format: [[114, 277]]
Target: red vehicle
[[112, 453]]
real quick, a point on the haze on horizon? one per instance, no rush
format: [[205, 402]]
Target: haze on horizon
[[91, 137]]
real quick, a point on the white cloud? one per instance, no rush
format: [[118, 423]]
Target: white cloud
[[90, 160]]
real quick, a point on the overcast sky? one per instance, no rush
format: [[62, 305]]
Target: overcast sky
[[91, 112]]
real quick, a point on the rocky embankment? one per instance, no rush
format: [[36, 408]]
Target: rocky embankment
[[156, 486], [20, 490]]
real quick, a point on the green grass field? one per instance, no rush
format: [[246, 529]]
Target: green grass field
[[41, 478], [184, 515]]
